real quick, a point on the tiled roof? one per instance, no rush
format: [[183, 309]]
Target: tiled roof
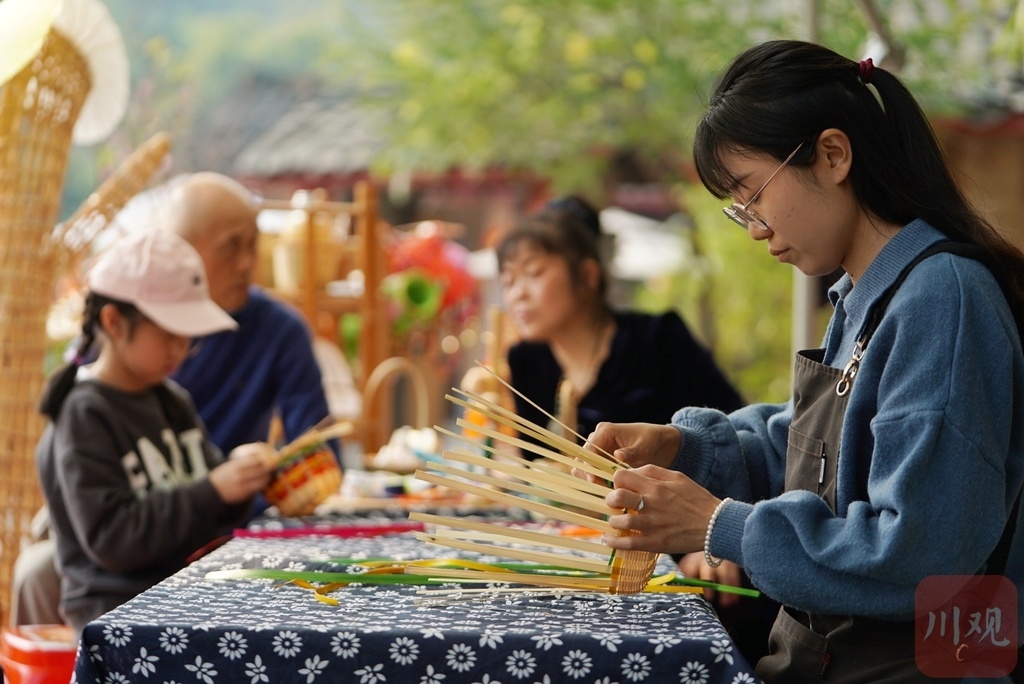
[[323, 135]]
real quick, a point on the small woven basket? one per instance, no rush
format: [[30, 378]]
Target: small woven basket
[[303, 479]]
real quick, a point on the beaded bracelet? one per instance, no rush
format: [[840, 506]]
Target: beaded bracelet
[[708, 558]]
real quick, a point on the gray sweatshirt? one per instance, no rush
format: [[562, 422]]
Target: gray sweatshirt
[[125, 478]]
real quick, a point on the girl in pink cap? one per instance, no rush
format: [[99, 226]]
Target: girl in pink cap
[[133, 483]]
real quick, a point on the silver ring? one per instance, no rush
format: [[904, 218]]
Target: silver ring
[[640, 506]]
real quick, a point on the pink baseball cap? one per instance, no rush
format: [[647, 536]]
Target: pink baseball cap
[[164, 277]]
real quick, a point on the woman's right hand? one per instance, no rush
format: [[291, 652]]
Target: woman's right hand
[[243, 474], [636, 444]]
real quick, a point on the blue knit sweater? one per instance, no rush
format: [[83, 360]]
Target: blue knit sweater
[[931, 454], [239, 378]]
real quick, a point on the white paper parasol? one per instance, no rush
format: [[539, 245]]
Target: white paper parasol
[[90, 28], [23, 27]]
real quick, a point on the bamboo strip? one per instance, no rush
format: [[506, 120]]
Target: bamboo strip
[[490, 590], [526, 535], [539, 450], [620, 571], [550, 417], [581, 583], [496, 540], [535, 470], [504, 537], [501, 414], [316, 434], [529, 446], [571, 498], [631, 570], [517, 502], [443, 538]]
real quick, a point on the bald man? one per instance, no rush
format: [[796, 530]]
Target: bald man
[[239, 380]]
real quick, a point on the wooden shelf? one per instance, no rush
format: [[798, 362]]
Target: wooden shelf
[[362, 250]]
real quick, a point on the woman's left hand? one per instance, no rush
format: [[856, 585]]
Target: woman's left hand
[[673, 517]]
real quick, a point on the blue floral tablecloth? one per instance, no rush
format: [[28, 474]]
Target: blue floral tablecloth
[[189, 629]]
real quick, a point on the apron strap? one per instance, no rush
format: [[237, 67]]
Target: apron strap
[[963, 249], [996, 563]]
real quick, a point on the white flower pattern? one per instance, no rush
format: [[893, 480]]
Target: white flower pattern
[[232, 645], [636, 667], [722, 650], [173, 640], [461, 657], [314, 668], [371, 675], [145, 663], [577, 664], [345, 644], [431, 677], [521, 663], [287, 644], [256, 671], [117, 635], [189, 630], [694, 672], [204, 671], [404, 650]]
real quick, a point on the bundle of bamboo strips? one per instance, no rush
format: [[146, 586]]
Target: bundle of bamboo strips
[[551, 491]]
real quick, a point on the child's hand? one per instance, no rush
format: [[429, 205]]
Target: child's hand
[[245, 473]]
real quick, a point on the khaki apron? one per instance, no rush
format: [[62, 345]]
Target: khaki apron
[[814, 647]]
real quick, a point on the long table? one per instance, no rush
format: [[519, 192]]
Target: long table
[[190, 628]]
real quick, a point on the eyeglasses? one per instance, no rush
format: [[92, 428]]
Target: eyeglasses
[[742, 215]]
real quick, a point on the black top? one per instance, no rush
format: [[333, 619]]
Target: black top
[[654, 368]]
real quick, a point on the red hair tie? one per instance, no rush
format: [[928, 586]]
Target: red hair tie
[[866, 70]]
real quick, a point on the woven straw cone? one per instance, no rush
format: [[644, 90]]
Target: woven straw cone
[[38, 110]]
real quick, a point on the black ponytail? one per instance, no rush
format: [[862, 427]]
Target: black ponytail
[[63, 379], [779, 94]]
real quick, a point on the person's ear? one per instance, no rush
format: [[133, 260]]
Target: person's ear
[[112, 322], [590, 272], [835, 152]]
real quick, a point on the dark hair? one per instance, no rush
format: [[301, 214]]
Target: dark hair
[[63, 379], [782, 93], [580, 209], [567, 226]]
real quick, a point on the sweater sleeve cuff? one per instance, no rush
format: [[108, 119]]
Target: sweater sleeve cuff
[[727, 535], [207, 498], [694, 458]]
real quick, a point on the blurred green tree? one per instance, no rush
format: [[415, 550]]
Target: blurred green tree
[[557, 88]]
